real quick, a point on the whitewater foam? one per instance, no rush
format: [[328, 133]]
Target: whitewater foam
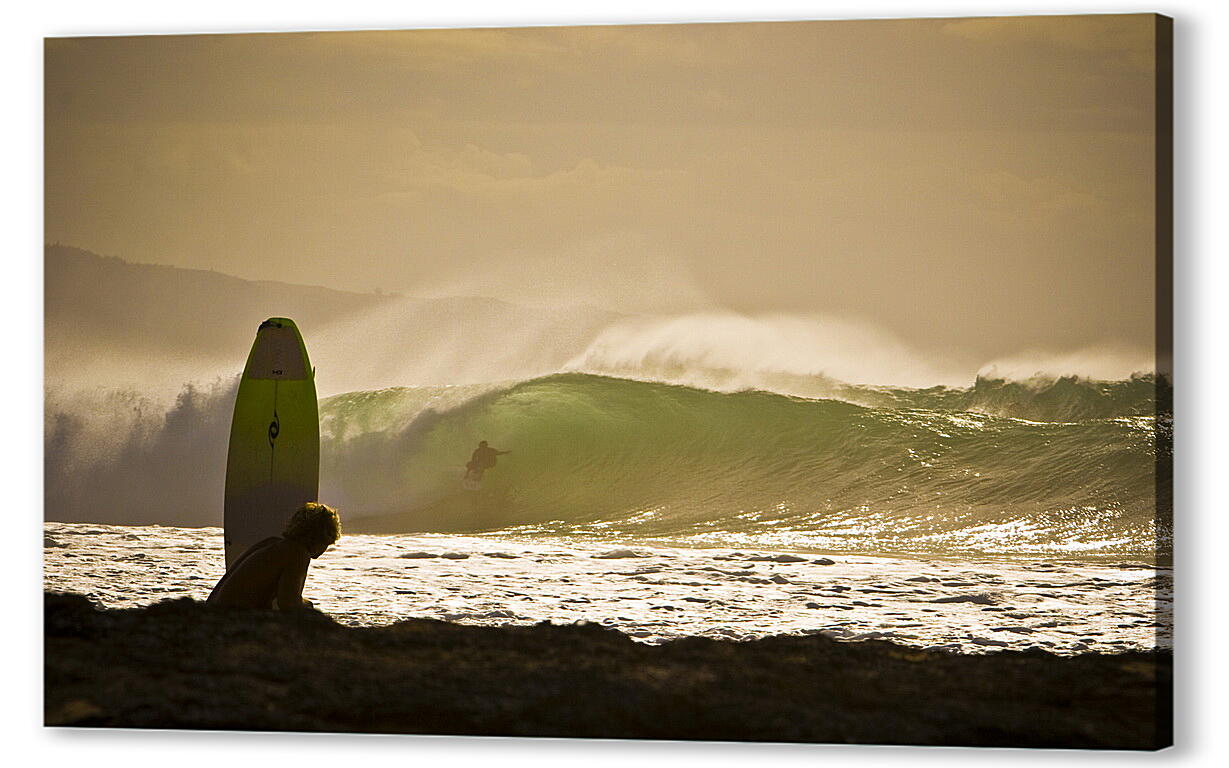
[[998, 468], [667, 593]]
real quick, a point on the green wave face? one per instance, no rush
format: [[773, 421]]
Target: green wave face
[[611, 457]]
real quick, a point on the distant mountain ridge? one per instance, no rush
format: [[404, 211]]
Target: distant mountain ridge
[[154, 305], [124, 323]]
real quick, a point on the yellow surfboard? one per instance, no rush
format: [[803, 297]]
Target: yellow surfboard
[[273, 465]]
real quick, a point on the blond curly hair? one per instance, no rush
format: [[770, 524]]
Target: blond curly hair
[[314, 522]]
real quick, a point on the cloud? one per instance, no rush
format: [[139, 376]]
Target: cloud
[[558, 48], [1125, 41], [436, 50], [970, 187]]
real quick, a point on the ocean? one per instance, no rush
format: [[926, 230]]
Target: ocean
[[1006, 515]]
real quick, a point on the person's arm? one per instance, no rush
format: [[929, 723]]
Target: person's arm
[[501, 453], [290, 583]]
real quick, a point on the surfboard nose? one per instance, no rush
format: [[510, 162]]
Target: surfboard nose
[[278, 352]]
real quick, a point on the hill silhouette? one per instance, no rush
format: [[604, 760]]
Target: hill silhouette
[[148, 326]]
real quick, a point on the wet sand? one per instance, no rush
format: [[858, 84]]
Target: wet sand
[[182, 664]]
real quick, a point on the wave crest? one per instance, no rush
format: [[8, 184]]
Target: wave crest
[[610, 457], [1041, 466]]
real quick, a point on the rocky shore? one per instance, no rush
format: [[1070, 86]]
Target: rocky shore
[[182, 664]]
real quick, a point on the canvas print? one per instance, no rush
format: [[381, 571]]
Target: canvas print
[[783, 382]]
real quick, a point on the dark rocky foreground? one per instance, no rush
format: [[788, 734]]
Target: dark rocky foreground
[[182, 664]]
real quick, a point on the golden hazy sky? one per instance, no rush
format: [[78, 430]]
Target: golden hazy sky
[[975, 183]]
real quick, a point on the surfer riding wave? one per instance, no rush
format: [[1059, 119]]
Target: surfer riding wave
[[483, 458]]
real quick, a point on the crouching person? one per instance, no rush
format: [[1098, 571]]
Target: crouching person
[[270, 574]]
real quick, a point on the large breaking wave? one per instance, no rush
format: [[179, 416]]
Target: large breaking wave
[[938, 471], [1060, 467]]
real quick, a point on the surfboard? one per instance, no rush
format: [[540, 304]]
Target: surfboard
[[273, 462]]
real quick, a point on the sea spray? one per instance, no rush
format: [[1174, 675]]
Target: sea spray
[[1041, 466], [121, 457], [601, 456]]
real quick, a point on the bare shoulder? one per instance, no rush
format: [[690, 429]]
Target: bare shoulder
[[291, 552]]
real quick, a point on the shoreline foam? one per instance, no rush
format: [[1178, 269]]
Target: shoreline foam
[[660, 593]]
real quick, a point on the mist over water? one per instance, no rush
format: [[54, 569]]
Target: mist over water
[[114, 455], [734, 352], [1000, 468], [703, 427]]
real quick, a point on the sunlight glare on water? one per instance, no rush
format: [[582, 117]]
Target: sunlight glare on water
[[651, 591]]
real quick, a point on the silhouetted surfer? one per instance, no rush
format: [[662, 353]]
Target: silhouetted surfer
[[271, 573], [482, 460]]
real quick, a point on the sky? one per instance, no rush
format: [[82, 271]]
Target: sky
[[983, 185]]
